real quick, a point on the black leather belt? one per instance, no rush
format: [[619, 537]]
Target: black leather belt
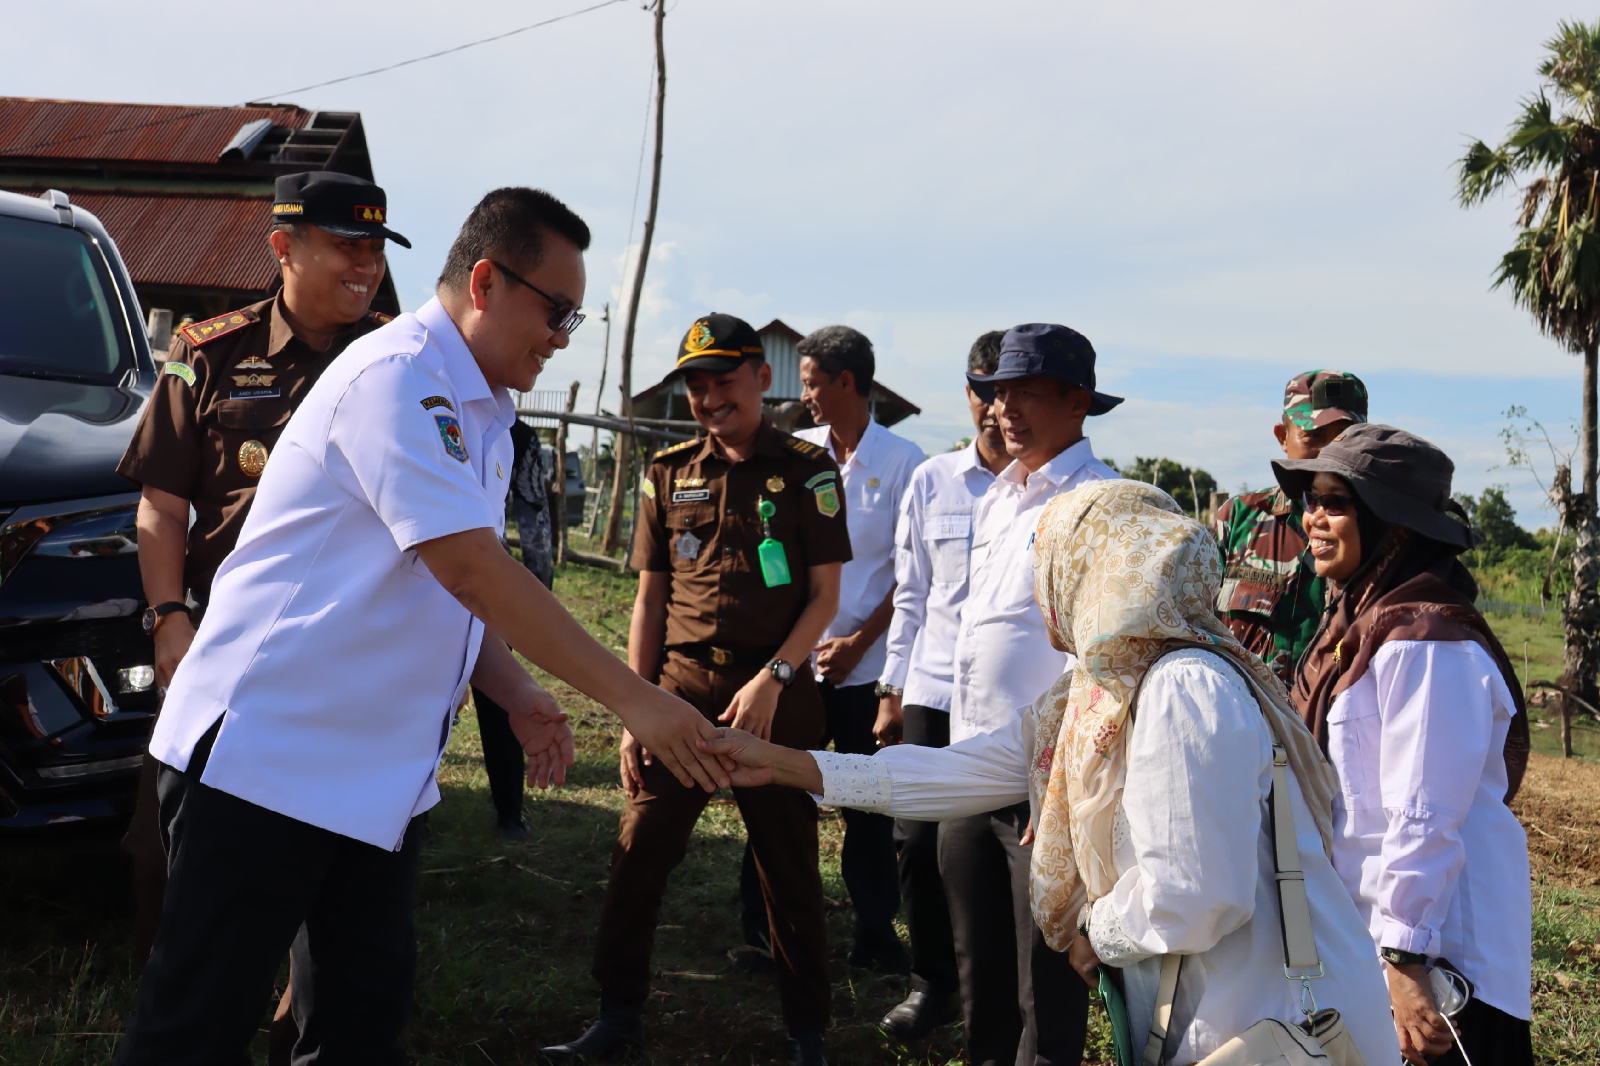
[[714, 656]]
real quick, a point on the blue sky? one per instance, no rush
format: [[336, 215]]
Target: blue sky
[[1218, 195]]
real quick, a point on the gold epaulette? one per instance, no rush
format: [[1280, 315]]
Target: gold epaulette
[[806, 448], [680, 446], [198, 333]]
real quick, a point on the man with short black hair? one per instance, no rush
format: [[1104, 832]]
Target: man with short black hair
[[301, 738], [837, 366], [933, 543], [740, 539], [1271, 597], [227, 388]]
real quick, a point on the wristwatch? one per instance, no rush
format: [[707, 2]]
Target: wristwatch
[[1396, 957], [883, 690], [780, 670], [152, 615]]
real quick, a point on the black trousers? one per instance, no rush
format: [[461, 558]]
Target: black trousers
[[1005, 965], [1489, 1034], [933, 949], [503, 759], [246, 884], [867, 859]]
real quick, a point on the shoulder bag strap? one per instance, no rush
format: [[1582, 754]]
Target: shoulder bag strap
[[1300, 959]]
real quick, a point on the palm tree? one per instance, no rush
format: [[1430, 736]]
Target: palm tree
[[1553, 270]]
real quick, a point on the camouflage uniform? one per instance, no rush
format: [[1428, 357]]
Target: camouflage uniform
[[1271, 597]]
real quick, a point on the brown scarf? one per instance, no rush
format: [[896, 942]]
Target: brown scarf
[[1416, 589]]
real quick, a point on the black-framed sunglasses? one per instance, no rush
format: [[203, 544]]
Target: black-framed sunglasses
[[563, 315], [1332, 504]]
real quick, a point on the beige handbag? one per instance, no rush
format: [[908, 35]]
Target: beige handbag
[[1320, 1040]]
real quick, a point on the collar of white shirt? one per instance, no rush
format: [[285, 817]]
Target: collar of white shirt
[[463, 370], [1057, 470], [862, 455]]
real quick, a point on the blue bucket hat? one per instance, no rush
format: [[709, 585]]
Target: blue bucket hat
[[1039, 349]]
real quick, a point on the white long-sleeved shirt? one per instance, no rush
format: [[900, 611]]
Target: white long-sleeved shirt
[[933, 543], [1003, 657], [1435, 859], [1193, 853], [874, 478]]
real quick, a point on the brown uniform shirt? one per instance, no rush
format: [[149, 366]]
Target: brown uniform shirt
[[229, 386], [699, 523]]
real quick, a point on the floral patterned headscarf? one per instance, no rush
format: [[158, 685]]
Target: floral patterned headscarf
[[1122, 576]]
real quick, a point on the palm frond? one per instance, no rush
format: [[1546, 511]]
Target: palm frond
[[1481, 173], [1538, 139], [1573, 67]]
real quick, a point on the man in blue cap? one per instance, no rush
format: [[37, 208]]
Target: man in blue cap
[[1042, 390]]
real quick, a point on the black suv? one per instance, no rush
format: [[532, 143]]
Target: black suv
[[77, 687]]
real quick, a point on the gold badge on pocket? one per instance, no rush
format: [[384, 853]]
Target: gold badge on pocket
[[252, 458]]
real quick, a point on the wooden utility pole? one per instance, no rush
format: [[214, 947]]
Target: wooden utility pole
[[599, 395], [560, 509], [622, 485]]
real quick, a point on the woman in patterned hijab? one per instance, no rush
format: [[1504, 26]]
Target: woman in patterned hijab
[[1148, 766]]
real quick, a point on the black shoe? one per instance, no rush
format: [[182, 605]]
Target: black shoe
[[806, 1048], [885, 954], [614, 1038], [512, 828], [920, 1014]]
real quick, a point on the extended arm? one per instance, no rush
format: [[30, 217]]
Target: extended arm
[[478, 572]]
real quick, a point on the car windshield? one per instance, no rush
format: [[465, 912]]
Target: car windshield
[[59, 313]]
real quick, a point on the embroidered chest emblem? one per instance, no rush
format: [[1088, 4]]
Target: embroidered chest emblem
[[455, 445], [254, 381], [252, 362]]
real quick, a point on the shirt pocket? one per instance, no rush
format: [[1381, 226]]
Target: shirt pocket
[[1251, 590], [1354, 732], [948, 537], [690, 527], [248, 415]]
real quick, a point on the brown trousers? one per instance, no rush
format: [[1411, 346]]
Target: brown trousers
[[782, 826]]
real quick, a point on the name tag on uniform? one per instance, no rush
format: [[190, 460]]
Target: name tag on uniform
[[255, 394], [691, 495], [946, 526]]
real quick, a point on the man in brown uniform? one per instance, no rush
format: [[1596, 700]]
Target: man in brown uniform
[[741, 537], [228, 388]]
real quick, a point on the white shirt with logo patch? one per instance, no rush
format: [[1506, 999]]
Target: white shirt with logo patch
[[872, 481], [332, 656]]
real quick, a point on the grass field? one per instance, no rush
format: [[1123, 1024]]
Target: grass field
[[505, 929]]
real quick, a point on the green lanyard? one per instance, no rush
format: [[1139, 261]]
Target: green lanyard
[[774, 565]]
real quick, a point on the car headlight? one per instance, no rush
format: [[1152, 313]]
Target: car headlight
[[136, 678]]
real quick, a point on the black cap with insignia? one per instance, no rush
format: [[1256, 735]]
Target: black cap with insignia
[[717, 342], [342, 204]]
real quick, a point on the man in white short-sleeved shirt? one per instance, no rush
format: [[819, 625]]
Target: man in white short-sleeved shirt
[[302, 733], [837, 366], [1042, 389], [933, 539]]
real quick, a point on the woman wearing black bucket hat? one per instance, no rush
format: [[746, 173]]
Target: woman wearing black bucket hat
[[1417, 706]]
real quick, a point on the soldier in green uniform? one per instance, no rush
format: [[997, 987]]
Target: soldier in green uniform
[[1271, 597], [740, 541], [229, 386]]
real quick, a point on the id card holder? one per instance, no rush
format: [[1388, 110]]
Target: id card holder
[[774, 565]]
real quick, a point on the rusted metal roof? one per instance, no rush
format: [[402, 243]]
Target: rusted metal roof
[[164, 133], [212, 242]]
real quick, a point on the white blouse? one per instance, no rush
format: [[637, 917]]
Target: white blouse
[[1423, 838], [1194, 855]]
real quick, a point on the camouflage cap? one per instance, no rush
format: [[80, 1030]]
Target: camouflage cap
[[1319, 398]]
